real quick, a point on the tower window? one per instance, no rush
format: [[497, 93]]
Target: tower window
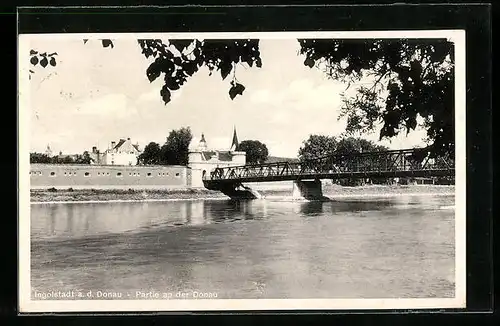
[[87, 174], [118, 174], [52, 174]]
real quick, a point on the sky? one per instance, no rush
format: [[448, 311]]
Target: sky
[[96, 95]]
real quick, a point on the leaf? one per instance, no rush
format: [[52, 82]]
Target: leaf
[[106, 43], [52, 54], [44, 62], [85, 40], [31, 71], [165, 94], [189, 68], [153, 71], [258, 63], [34, 60], [225, 69], [309, 62], [236, 89], [33, 52], [171, 83], [53, 62]]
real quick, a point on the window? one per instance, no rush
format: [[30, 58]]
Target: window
[[130, 173], [177, 174], [159, 173], [149, 174], [118, 174], [30, 172], [98, 173], [52, 174], [39, 172], [87, 174], [138, 174], [107, 173], [164, 173]]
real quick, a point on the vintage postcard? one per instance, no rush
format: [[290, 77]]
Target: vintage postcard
[[242, 171]]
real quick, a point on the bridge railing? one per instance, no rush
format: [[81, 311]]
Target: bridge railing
[[368, 162]]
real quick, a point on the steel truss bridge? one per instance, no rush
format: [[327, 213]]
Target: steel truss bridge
[[415, 162]]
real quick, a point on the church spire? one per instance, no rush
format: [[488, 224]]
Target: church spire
[[203, 143], [234, 144]]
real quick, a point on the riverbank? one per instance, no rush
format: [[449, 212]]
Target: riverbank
[[329, 190]]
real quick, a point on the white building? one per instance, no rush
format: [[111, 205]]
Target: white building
[[123, 153], [202, 159]]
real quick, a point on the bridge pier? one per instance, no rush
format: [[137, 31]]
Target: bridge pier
[[239, 191], [308, 189]]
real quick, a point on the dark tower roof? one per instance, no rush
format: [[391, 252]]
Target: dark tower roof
[[234, 144]]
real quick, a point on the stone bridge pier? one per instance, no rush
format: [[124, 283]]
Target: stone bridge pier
[[239, 191], [308, 189]]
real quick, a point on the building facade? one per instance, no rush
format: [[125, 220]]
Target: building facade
[[203, 160], [121, 153], [100, 176], [116, 168]]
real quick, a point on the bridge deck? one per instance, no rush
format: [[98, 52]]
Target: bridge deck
[[397, 163]]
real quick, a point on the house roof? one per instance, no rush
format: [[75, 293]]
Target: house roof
[[122, 141]]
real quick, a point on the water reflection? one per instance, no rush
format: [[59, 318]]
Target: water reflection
[[312, 208], [397, 247]]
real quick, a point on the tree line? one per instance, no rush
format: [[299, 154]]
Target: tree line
[[317, 146], [175, 151], [60, 159]]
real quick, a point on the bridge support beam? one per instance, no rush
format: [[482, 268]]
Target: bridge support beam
[[308, 189], [239, 191]]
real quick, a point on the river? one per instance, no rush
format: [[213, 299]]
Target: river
[[391, 247]]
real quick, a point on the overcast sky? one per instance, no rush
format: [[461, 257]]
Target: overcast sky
[[95, 95]]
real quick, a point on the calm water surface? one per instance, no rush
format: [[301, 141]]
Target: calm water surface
[[349, 248]]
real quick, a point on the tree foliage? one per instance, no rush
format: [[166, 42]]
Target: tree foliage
[[352, 145], [150, 155], [410, 79], [175, 151], [43, 158], [83, 159], [317, 146], [256, 152], [40, 158], [178, 60]]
